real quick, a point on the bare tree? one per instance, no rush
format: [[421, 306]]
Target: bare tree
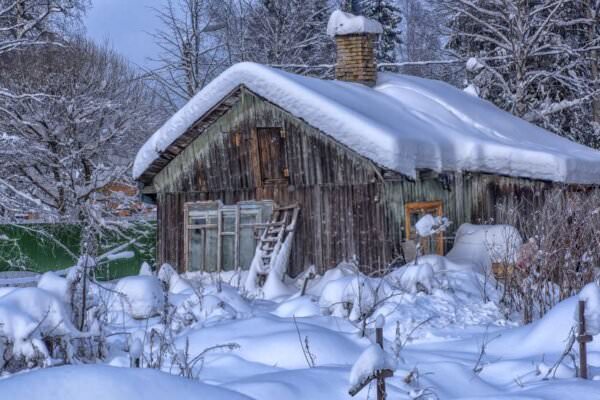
[[25, 23], [535, 59], [72, 125], [193, 43], [291, 35]]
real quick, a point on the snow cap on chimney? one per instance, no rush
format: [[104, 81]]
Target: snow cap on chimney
[[343, 23], [355, 38]]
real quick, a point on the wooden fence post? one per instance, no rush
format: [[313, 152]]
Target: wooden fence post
[[379, 375], [582, 338], [380, 378]]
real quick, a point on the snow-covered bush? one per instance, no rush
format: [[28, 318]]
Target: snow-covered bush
[[56, 285], [140, 296], [354, 297], [413, 278], [34, 328], [483, 245], [561, 254]]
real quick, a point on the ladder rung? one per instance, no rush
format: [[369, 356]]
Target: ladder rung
[[290, 207]]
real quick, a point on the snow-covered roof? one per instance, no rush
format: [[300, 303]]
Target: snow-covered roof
[[404, 123], [343, 23]]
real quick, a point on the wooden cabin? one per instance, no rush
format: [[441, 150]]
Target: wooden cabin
[[363, 161]]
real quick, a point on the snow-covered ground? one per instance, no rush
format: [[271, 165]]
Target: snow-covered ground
[[445, 337]]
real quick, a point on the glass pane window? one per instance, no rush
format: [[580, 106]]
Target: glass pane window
[[223, 237]]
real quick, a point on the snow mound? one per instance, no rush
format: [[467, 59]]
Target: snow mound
[[343, 23], [84, 382], [591, 295], [404, 123], [55, 284], [304, 306], [27, 316], [145, 269], [352, 296], [428, 225], [372, 360], [413, 278], [316, 286], [483, 245], [141, 296]]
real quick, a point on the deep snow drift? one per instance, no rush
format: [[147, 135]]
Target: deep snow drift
[[437, 316]]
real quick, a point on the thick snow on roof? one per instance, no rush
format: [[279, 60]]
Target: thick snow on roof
[[404, 123], [342, 23]]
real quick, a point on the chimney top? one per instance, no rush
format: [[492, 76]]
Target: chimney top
[[343, 23], [355, 38]]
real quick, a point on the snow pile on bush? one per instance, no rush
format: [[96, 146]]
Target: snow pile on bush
[[482, 245], [413, 278], [208, 306], [140, 296], [372, 360], [353, 296], [55, 284], [29, 319]]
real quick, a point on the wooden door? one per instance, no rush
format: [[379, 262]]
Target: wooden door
[[272, 155]]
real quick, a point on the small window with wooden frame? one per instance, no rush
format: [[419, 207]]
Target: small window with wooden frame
[[221, 237], [412, 213], [269, 153]]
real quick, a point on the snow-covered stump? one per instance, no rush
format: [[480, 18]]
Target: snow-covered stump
[[372, 364]]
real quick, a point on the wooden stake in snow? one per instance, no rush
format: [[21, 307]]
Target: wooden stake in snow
[[582, 338], [380, 375]]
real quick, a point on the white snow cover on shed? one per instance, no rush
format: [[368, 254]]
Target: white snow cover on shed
[[404, 123], [343, 23]]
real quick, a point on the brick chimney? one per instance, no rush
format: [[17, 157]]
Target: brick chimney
[[355, 38]]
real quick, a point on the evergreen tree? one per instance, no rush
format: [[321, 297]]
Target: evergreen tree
[[388, 14]]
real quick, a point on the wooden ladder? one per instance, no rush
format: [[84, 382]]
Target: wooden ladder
[[282, 223]]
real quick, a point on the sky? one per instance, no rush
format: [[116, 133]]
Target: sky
[[125, 23]]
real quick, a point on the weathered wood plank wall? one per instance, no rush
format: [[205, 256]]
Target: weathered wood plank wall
[[350, 207]]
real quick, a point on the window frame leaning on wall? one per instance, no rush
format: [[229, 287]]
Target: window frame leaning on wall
[[434, 208], [229, 225]]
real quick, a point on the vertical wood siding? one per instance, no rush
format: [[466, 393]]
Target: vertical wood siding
[[349, 207]]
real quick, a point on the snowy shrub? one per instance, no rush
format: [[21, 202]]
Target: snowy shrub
[[201, 309], [413, 278], [140, 296], [341, 270], [178, 285], [208, 305], [146, 269], [55, 284], [166, 272], [562, 249], [353, 297], [34, 327], [484, 245]]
